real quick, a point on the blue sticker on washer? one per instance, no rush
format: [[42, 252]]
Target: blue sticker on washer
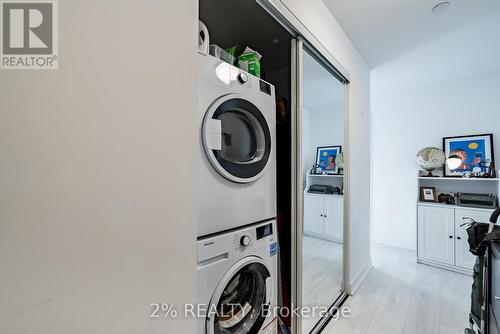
[[273, 249]]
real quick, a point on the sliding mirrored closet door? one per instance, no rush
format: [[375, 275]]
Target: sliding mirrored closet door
[[320, 186]]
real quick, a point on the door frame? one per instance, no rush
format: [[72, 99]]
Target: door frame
[[305, 37]]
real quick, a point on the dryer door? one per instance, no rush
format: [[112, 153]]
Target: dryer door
[[236, 138], [242, 296]]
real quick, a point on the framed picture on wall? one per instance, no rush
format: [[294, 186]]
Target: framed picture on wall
[[428, 194], [475, 151], [325, 158]]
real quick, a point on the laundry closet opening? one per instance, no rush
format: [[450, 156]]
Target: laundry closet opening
[[242, 24], [245, 44]]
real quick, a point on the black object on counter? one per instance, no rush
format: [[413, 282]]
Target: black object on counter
[[446, 198], [323, 189]]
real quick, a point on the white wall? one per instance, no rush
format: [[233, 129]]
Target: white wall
[[317, 18], [323, 115], [446, 88], [321, 127], [96, 212]]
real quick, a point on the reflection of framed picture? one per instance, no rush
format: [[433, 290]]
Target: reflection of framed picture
[[428, 194], [325, 158], [476, 153]]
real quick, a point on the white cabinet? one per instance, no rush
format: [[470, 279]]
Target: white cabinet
[[440, 238], [324, 216], [334, 217], [436, 234], [313, 214]]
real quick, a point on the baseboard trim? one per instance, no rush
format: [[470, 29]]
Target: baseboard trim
[[396, 243], [444, 266], [360, 277], [323, 237]]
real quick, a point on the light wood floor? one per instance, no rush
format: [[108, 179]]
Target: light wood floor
[[400, 296], [321, 275]]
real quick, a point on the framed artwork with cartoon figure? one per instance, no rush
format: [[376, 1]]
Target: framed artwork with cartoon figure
[[476, 153], [325, 159]]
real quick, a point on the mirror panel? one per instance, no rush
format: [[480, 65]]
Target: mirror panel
[[322, 129]]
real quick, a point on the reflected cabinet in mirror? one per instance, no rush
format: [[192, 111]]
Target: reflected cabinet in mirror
[[322, 135]]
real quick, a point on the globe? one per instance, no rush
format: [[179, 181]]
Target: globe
[[430, 158], [339, 161]]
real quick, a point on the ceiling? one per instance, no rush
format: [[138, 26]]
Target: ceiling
[[384, 29]]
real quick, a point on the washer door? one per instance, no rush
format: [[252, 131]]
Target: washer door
[[237, 306], [236, 138]]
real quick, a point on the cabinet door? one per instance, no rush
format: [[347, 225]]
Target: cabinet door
[[313, 214], [334, 217], [463, 258], [436, 235]]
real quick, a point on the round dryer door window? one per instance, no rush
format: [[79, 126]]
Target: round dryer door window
[[236, 139], [240, 299]]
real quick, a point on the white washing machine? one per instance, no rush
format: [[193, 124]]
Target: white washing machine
[[237, 152], [237, 280]]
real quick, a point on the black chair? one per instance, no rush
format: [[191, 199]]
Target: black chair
[[480, 237]]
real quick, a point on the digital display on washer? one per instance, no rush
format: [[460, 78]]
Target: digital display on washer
[[264, 231]]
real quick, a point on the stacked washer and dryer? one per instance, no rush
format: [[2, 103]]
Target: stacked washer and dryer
[[237, 233]]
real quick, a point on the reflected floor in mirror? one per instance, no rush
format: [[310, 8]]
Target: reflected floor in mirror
[[400, 296], [322, 275]]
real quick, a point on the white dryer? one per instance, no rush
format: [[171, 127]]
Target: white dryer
[[237, 281], [237, 152]]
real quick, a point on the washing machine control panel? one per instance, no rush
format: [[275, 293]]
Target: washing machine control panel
[[245, 240], [237, 243], [264, 231], [254, 237]]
